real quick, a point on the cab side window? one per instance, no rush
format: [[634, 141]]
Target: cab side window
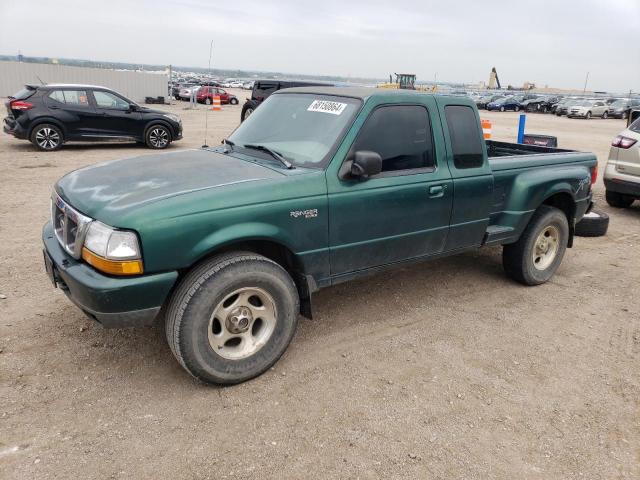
[[466, 137], [109, 100], [401, 135], [70, 97]]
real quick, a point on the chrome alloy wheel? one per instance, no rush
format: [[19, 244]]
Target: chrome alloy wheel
[[159, 137], [242, 323], [47, 138], [546, 248]]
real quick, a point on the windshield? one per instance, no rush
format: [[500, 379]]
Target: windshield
[[620, 103], [304, 128], [23, 94]]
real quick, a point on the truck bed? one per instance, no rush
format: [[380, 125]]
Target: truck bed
[[514, 166]]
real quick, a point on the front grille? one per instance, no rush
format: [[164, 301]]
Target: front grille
[[69, 225]]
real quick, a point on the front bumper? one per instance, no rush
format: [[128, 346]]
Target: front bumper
[[115, 302]]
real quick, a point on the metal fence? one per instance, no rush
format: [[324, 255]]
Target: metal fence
[[134, 85]]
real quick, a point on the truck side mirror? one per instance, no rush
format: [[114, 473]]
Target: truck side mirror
[[366, 164]]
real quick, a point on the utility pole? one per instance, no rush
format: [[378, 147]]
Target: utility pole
[[584, 90]]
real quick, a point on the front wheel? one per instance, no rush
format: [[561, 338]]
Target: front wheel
[[502, 109], [208, 101], [232, 317], [517, 108], [588, 117], [158, 137], [536, 256]]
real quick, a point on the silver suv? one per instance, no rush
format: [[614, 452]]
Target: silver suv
[[622, 173]]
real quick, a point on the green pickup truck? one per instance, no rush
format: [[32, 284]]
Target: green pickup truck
[[320, 185]]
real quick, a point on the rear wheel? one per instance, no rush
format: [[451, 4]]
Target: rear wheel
[[517, 108], [502, 109], [618, 200], [232, 317], [625, 115], [233, 101], [605, 115], [536, 256], [158, 137], [208, 101], [47, 137]]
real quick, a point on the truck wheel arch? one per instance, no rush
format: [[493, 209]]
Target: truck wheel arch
[[564, 202], [279, 253]]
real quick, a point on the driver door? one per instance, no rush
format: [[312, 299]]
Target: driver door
[[115, 117], [401, 213]]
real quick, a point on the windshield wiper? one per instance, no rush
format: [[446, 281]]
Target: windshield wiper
[[273, 153]]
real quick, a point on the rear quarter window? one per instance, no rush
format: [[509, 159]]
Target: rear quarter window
[[466, 137], [635, 126]]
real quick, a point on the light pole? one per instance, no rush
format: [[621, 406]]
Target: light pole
[[585, 83]]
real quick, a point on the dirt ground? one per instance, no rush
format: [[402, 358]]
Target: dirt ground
[[442, 370]]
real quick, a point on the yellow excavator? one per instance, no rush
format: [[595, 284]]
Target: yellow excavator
[[406, 81]]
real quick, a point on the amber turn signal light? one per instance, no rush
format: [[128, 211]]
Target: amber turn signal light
[[112, 267]]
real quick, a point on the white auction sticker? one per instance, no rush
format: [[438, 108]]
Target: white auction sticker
[[325, 106]]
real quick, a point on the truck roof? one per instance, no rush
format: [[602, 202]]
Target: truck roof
[[354, 92]]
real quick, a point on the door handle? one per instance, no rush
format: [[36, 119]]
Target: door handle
[[436, 191]]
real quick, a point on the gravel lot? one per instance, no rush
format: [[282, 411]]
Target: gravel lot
[[442, 370]]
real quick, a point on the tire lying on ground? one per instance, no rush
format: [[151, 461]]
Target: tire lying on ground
[[593, 224]]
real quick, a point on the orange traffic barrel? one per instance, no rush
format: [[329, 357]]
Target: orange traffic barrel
[[486, 128], [216, 105]]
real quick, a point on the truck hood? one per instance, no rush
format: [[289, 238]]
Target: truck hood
[[121, 185]]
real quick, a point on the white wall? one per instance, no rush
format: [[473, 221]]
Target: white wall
[[134, 85]]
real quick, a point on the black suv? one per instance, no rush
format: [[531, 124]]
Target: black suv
[[263, 88], [49, 115]]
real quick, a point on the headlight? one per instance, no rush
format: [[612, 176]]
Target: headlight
[[173, 117], [112, 251]]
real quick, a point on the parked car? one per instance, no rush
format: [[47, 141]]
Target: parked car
[[178, 87], [185, 93], [230, 243], [621, 108], [263, 88], [486, 99], [247, 86], [564, 106], [504, 104], [622, 172], [51, 115], [548, 104], [235, 85], [532, 104], [206, 94], [588, 108]]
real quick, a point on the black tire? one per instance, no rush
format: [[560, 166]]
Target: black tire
[[233, 101], [207, 101], [588, 117], [246, 112], [158, 137], [618, 200], [190, 316], [518, 258], [517, 108], [624, 116], [593, 224], [502, 109], [47, 137], [605, 115]]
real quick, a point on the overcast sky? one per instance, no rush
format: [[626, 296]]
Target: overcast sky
[[548, 42]]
